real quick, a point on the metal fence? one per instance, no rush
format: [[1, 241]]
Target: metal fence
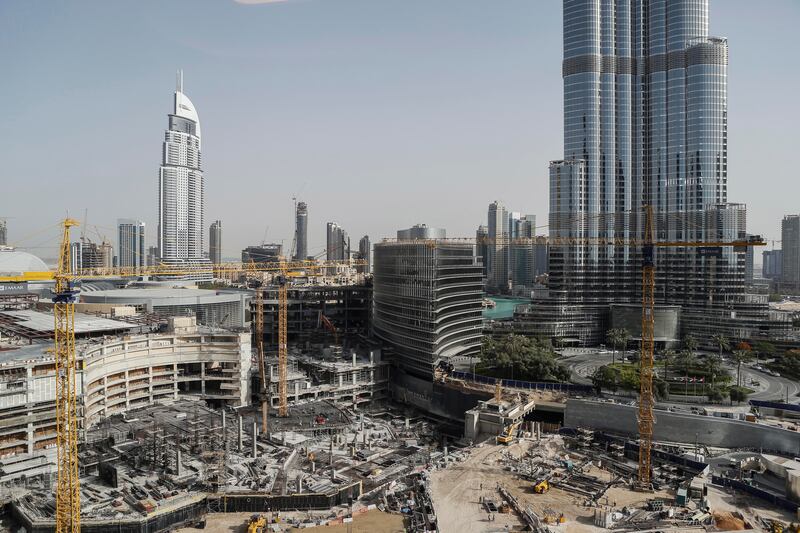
[[569, 388]]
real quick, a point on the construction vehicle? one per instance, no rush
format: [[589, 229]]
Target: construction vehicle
[[257, 524], [541, 486], [330, 327], [68, 515], [552, 517], [509, 434]]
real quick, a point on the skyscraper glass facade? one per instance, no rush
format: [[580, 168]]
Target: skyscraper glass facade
[[645, 123], [180, 187]]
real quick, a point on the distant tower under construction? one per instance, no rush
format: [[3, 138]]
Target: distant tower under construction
[[301, 231], [215, 242]]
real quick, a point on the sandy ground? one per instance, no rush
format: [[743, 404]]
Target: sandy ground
[[370, 522], [751, 508], [457, 489]]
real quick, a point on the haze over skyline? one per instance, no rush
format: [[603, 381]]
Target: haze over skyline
[[378, 114]]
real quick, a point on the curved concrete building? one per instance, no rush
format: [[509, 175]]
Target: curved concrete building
[[113, 376], [427, 300]]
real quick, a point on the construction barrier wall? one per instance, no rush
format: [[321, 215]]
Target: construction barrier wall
[[262, 503], [195, 510], [682, 427], [779, 501], [157, 523]]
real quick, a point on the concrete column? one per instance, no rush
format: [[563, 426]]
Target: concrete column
[[354, 357], [203, 378], [241, 447], [179, 465], [355, 378], [299, 483], [330, 452], [255, 435], [223, 420]]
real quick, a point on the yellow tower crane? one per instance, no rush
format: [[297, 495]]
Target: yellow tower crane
[[648, 245], [68, 483]]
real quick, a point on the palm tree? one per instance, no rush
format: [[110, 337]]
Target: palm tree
[[617, 337], [624, 338], [739, 357], [713, 363], [611, 338], [669, 358], [722, 342], [686, 360], [690, 343]]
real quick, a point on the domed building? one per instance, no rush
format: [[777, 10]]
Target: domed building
[[15, 262]]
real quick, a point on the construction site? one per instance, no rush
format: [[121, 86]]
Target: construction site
[[307, 420]]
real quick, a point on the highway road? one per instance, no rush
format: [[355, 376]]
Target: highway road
[[582, 362]]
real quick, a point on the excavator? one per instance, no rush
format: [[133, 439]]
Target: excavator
[[509, 434]]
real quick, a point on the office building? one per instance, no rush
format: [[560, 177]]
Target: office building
[[772, 264], [215, 242], [130, 243], [427, 299], [522, 253], [301, 232], [262, 253], [3, 233], [421, 232], [152, 255], [364, 253], [749, 262], [482, 246], [180, 187], [497, 248], [88, 255], [338, 243], [790, 237]]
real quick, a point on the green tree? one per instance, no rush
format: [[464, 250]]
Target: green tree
[[617, 338], [739, 357], [737, 394], [661, 389], [722, 342], [605, 377], [715, 394], [669, 358], [686, 361], [713, 364], [518, 356], [690, 343]]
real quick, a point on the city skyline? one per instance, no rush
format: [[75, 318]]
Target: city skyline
[[514, 114]]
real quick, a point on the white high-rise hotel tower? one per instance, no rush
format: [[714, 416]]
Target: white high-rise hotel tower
[[180, 186]]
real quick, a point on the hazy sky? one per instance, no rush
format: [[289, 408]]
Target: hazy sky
[[378, 113]]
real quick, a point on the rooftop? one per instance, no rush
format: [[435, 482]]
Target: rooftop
[[40, 322]]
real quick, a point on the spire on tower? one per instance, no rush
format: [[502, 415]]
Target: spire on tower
[[179, 80]]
